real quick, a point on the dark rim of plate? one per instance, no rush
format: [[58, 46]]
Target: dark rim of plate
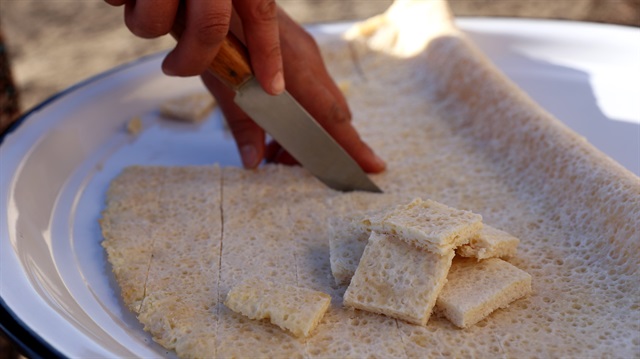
[[27, 340]]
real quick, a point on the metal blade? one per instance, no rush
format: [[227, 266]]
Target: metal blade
[[293, 127]]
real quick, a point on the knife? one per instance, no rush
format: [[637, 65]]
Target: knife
[[286, 120]]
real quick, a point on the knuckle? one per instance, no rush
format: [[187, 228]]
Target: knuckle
[[265, 10], [212, 28], [338, 116], [273, 51], [309, 43]]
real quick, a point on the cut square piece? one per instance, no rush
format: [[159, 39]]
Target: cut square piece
[[475, 289], [397, 279], [490, 243], [428, 224], [298, 310], [188, 108], [347, 240]]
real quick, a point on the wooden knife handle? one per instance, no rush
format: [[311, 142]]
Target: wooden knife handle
[[231, 65]]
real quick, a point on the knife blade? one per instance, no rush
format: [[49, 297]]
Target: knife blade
[[286, 121], [298, 132]]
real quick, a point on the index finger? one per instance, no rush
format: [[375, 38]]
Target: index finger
[[310, 83], [206, 25]]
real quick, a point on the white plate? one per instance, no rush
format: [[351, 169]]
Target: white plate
[[58, 296]]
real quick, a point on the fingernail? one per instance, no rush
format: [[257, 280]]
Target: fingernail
[[277, 85], [379, 161], [249, 156]]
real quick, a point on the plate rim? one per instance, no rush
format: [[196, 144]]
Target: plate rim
[[29, 342]]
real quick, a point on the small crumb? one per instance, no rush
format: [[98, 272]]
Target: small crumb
[[344, 86], [134, 126]]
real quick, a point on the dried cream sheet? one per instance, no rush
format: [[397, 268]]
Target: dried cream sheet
[[452, 129]]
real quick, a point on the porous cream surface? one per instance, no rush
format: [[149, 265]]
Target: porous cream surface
[[475, 289], [295, 309], [347, 240], [490, 243], [428, 224], [396, 279], [452, 129]]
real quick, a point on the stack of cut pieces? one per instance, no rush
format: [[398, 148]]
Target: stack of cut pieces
[[406, 267]]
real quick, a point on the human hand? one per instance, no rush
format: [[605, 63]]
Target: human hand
[[206, 25], [263, 26], [308, 81]]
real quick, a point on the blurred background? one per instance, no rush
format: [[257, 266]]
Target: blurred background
[[49, 45], [52, 44]]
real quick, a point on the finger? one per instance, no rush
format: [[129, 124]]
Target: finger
[[285, 158], [248, 135], [260, 25], [115, 2], [206, 25], [149, 18], [275, 153], [235, 26], [308, 81], [337, 121], [272, 150]]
